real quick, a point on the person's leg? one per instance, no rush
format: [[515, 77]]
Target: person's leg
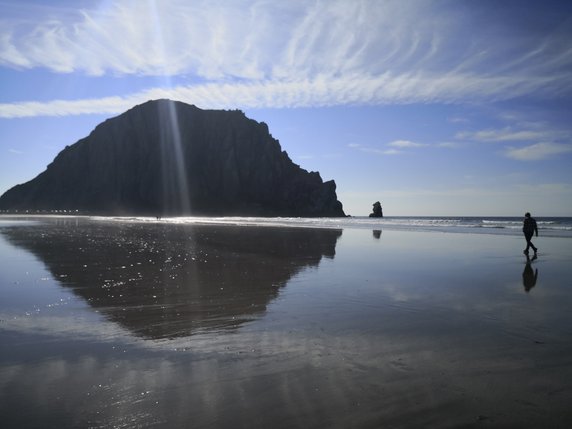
[[532, 245], [528, 237]]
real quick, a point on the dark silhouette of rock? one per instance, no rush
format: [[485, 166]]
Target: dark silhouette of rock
[[377, 211], [169, 158]]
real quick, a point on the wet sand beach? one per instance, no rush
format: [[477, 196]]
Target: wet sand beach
[[132, 324]]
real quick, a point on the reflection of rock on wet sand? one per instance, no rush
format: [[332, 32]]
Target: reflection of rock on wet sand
[[162, 281]]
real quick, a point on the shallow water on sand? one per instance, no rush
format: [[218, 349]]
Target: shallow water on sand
[[112, 324]]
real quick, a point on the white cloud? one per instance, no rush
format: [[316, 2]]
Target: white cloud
[[15, 151], [503, 135], [375, 151], [395, 147], [457, 120], [449, 145], [538, 151], [249, 39], [257, 53], [389, 152], [405, 144], [508, 134], [318, 92]]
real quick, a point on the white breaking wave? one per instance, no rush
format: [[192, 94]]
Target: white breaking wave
[[505, 226]]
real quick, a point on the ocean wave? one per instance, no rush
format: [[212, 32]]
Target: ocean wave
[[511, 226]]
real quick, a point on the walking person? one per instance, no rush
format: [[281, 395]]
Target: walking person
[[529, 228]]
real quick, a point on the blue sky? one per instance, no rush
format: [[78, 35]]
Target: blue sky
[[445, 107]]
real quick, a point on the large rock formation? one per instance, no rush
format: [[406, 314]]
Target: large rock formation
[[170, 158]]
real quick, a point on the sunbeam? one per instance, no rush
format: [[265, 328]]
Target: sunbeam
[[172, 147], [176, 198]]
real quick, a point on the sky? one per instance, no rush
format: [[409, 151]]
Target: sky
[[433, 108]]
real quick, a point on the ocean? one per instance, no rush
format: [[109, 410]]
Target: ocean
[[547, 226]]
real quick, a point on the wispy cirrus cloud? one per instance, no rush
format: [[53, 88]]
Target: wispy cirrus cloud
[[255, 53], [318, 92], [538, 151], [457, 120], [374, 150], [405, 144], [508, 134], [536, 141], [449, 145], [396, 147]]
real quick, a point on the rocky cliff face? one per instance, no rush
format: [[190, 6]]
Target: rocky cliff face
[[170, 158]]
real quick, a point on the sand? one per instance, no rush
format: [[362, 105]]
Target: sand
[[123, 324]]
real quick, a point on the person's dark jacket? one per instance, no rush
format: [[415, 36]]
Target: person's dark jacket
[[529, 227]]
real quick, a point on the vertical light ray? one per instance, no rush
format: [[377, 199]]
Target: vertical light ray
[[176, 196], [176, 146]]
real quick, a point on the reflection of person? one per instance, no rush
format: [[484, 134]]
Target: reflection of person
[[529, 227], [529, 276], [377, 233]]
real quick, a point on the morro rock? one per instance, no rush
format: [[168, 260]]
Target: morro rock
[[169, 158]]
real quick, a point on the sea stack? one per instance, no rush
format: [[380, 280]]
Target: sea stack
[[377, 210], [169, 158]]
